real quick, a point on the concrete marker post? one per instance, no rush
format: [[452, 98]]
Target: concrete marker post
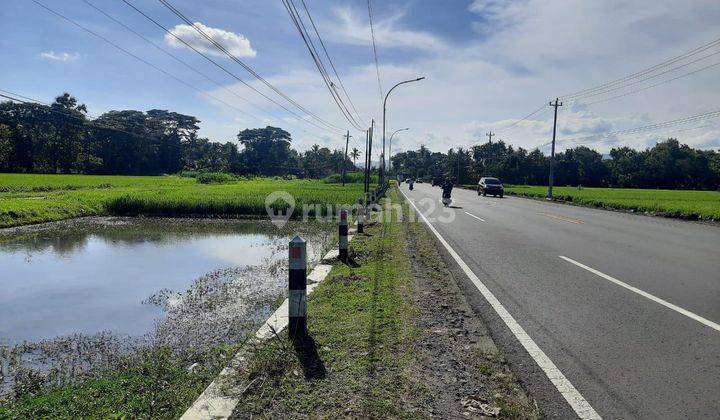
[[360, 216], [297, 296], [343, 233]]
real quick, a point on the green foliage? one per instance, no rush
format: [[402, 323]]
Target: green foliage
[[668, 165], [155, 384], [350, 178], [363, 329], [59, 138], [215, 178], [683, 204], [26, 199]]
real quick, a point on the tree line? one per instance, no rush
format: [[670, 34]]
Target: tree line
[[60, 138], [668, 165]]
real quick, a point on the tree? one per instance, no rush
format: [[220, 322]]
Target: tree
[[267, 151], [6, 147], [354, 154]]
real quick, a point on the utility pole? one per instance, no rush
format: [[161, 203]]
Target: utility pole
[[552, 151], [347, 140], [368, 157], [458, 159], [367, 154], [490, 136]]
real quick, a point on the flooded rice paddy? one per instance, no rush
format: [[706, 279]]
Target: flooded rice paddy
[[77, 294]]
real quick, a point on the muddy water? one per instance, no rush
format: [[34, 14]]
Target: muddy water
[[107, 282]]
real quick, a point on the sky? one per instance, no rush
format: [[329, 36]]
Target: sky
[[487, 64]]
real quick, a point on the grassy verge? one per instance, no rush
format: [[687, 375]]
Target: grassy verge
[[683, 204], [154, 384], [672, 203], [27, 199], [361, 323]]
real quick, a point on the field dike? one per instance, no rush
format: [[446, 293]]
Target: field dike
[[391, 335]]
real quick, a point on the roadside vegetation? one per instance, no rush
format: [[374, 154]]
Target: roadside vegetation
[[667, 165], [694, 205], [26, 199], [350, 178], [152, 384], [366, 357]]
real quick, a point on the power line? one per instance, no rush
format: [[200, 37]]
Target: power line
[[375, 54], [644, 72], [302, 30], [300, 26], [30, 101], [542, 107], [174, 57], [332, 65], [218, 65], [194, 69], [636, 82], [249, 69], [142, 60], [632, 92], [679, 121]]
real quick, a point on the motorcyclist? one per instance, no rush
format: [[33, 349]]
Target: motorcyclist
[[411, 182], [447, 187]]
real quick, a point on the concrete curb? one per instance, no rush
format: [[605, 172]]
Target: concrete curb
[[220, 398]]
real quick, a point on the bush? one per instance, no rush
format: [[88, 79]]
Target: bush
[[350, 178], [215, 178]]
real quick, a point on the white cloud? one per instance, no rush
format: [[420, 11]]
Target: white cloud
[[354, 28], [236, 44], [60, 56], [530, 57]]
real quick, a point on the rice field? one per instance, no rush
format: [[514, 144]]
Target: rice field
[[693, 205], [36, 198]]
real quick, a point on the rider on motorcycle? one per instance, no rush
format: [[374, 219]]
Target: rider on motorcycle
[[447, 187]]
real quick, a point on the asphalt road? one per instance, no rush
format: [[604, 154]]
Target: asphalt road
[[638, 337]]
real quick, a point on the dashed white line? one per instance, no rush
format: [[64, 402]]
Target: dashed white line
[[479, 218], [578, 403], [665, 303]]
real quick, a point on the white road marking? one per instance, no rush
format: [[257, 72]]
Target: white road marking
[[479, 218], [665, 303], [578, 403]]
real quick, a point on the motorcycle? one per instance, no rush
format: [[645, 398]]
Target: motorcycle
[[446, 200], [411, 186]]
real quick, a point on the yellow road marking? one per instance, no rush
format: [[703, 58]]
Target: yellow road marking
[[564, 219]]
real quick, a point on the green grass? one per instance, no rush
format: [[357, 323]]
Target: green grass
[[155, 385], [673, 203], [361, 321], [27, 199], [350, 178]]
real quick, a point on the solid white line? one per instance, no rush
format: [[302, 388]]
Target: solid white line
[[567, 390], [665, 303], [479, 218]]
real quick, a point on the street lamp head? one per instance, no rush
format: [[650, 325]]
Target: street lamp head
[[419, 78]]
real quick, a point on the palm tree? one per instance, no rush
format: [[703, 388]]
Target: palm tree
[[354, 155]]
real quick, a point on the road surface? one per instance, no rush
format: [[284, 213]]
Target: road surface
[[626, 306]]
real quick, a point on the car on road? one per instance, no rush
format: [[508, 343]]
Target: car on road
[[489, 185]]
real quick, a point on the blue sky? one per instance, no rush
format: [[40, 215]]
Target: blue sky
[[487, 63]]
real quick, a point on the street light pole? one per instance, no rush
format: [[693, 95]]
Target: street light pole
[[382, 173], [390, 147]]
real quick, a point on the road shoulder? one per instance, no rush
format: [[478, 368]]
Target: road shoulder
[[392, 336]]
